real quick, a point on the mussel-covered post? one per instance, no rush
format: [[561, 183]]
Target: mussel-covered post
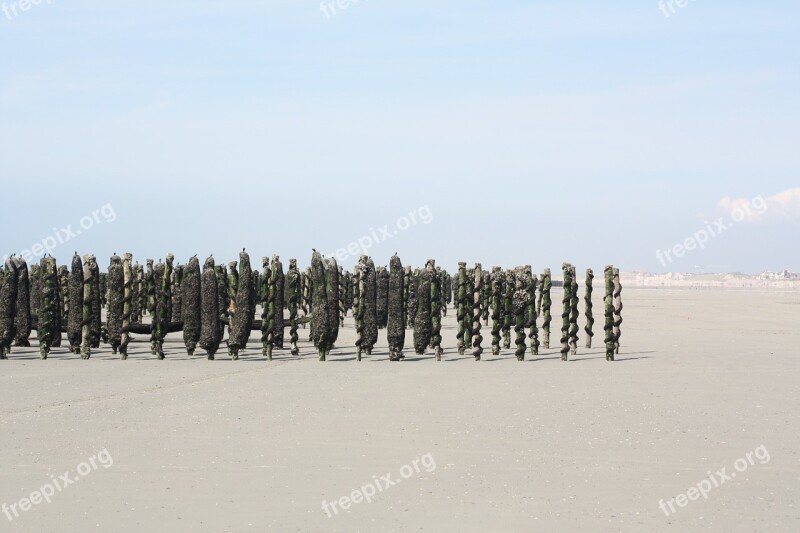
[[321, 315], [210, 323], [127, 304], [75, 315], [436, 310], [115, 284], [608, 307], [565, 312], [88, 303], [617, 310], [48, 306], [532, 315], [497, 306], [396, 326], [547, 285], [422, 320], [476, 337], [267, 298], [587, 307], [191, 299], [293, 279], [22, 319], [244, 308]]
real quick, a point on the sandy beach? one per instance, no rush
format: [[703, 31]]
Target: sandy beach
[[703, 379]]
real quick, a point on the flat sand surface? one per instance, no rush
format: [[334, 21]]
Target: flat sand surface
[[704, 378]]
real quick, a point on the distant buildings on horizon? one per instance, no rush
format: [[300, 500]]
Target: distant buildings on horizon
[[768, 279]]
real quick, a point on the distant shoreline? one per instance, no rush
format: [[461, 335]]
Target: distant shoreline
[[707, 281], [724, 281]]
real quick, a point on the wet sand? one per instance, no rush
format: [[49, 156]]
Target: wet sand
[[703, 378]]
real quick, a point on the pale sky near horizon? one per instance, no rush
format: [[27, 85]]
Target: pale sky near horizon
[[534, 132]]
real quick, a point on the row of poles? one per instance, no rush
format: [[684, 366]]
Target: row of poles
[[203, 304]]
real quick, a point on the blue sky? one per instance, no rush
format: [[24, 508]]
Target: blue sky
[[535, 132]]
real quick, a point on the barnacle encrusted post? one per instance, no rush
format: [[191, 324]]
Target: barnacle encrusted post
[[496, 304], [75, 316], [565, 312], [35, 280], [382, 298], [46, 327], [422, 320], [95, 326], [101, 276], [319, 306], [9, 277], [371, 306], [412, 298], [22, 311], [279, 284], [127, 303], [532, 315], [547, 284], [58, 317], [573, 312], [210, 324], [587, 307], [233, 286], [447, 291], [396, 319], [177, 294], [63, 290], [508, 306], [191, 296], [608, 307], [257, 285], [267, 298], [486, 296], [138, 294], [310, 285], [243, 310], [461, 299], [617, 310], [528, 272], [150, 288], [521, 301], [406, 293], [469, 286], [342, 296], [476, 313], [332, 295], [442, 298], [436, 310], [539, 298], [305, 298], [88, 303], [359, 306], [224, 298], [348, 292], [293, 281], [115, 283], [161, 276]]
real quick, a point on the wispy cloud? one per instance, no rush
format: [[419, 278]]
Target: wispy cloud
[[780, 207]]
